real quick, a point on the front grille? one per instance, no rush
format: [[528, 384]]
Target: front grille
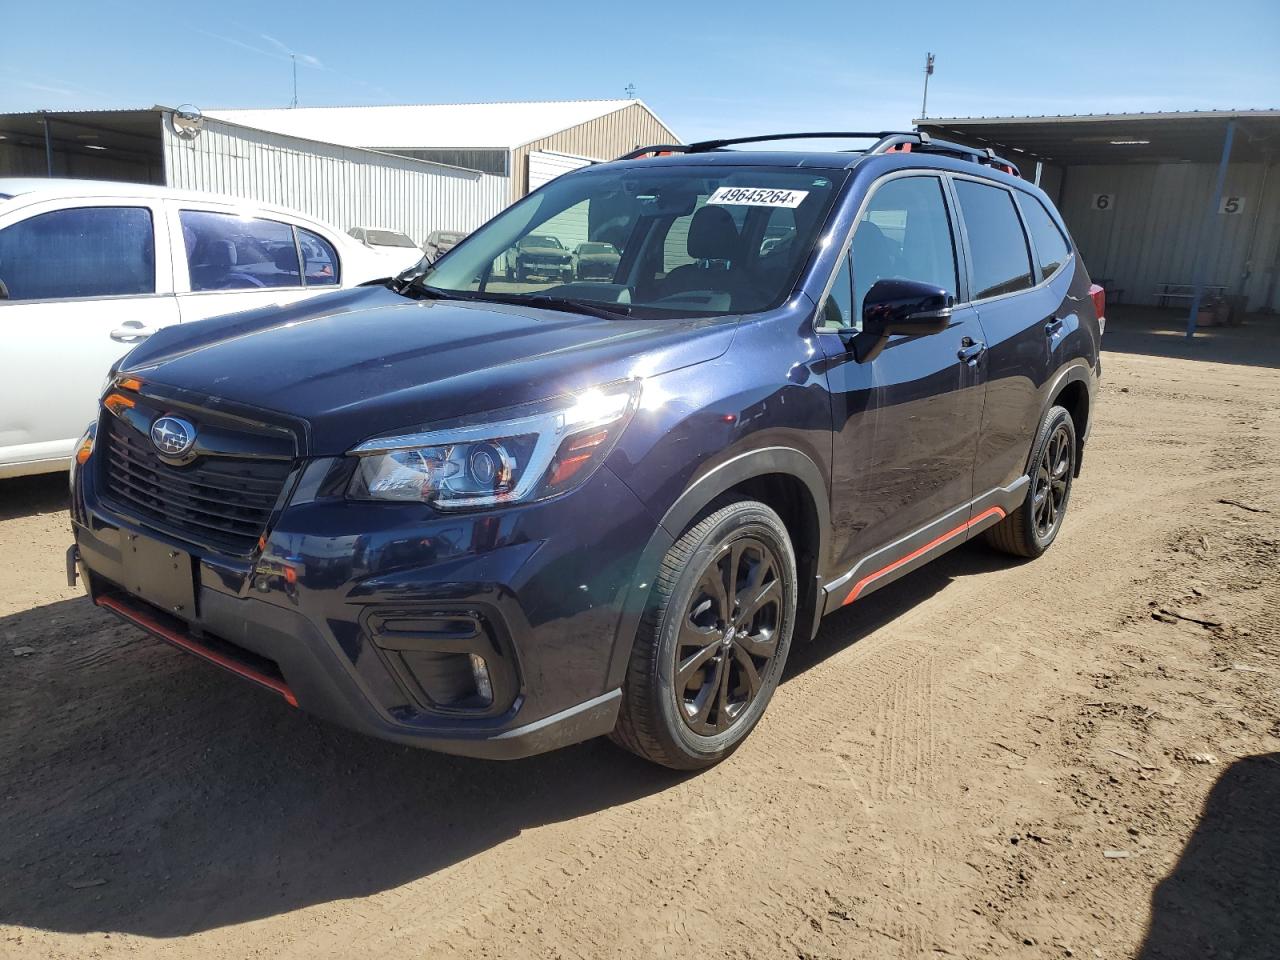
[[223, 502]]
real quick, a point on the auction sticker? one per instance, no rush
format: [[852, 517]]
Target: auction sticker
[[758, 197]]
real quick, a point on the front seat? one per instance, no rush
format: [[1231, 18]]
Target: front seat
[[712, 236], [217, 261]]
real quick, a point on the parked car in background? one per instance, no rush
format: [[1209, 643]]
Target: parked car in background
[[440, 242], [495, 521], [398, 249], [595, 261], [89, 269], [542, 256]]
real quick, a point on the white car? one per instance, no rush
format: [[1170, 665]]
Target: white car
[[90, 268], [395, 247]]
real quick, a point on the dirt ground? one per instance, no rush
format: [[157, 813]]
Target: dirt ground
[[1073, 757]]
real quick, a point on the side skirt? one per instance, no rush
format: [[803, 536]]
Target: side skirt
[[897, 559]]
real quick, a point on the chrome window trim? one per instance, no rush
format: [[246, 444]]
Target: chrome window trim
[[92, 299]]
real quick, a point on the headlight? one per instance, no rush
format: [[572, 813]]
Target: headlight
[[513, 456]]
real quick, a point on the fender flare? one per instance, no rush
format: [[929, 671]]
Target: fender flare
[[1074, 371], [681, 514]]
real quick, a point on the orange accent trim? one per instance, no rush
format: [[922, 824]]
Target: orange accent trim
[[164, 633], [130, 383], [950, 534], [115, 402]]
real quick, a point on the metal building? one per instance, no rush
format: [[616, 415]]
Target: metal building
[[531, 142], [1166, 207], [343, 185]]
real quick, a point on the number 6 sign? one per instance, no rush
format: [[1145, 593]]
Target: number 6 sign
[[1103, 201]]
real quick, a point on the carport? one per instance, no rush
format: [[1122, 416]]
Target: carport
[[1167, 208], [87, 144]]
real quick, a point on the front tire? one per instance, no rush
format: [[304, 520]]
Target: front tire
[[1029, 530], [712, 647]]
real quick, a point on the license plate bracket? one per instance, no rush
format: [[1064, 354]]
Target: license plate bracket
[[162, 575]]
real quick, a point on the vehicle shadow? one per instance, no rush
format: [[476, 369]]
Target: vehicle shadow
[[1222, 899], [26, 496], [849, 625], [148, 793]]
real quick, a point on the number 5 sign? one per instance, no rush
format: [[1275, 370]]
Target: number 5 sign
[[1231, 205], [1103, 201]]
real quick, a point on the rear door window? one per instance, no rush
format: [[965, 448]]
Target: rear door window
[[319, 258], [904, 234], [998, 247], [1051, 246], [229, 252], [80, 252]]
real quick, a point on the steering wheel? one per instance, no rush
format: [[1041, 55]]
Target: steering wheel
[[231, 281]]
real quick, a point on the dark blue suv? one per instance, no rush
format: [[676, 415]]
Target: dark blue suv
[[491, 516]]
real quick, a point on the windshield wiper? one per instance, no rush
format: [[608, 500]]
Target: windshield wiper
[[411, 280], [616, 312]]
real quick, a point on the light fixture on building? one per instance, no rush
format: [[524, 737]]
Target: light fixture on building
[[1128, 143]]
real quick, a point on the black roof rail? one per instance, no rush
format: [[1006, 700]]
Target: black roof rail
[[886, 141], [928, 144], [706, 146]]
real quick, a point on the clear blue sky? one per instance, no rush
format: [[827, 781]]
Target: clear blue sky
[[707, 69]]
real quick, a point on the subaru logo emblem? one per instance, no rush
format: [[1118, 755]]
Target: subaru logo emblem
[[173, 437]]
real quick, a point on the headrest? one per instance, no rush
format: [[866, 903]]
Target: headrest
[[713, 235], [285, 259], [221, 253]]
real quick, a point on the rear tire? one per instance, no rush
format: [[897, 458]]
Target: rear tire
[[712, 647], [1032, 528]]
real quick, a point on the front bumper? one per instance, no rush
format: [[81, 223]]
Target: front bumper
[[363, 613]]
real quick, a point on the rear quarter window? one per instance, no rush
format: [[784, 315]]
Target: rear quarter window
[[1001, 261], [1052, 249]]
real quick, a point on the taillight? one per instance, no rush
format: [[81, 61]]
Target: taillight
[[1099, 300]]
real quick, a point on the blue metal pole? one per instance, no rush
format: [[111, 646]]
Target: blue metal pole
[[1210, 231]]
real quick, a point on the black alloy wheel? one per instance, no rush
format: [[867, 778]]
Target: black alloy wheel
[[728, 636], [1033, 526], [713, 642], [1051, 482]]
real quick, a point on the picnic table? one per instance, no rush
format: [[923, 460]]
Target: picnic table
[[1185, 291]]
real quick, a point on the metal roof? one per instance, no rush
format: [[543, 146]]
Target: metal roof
[[1175, 136], [427, 126], [26, 188]]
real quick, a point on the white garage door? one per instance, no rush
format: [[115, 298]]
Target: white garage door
[[544, 167]]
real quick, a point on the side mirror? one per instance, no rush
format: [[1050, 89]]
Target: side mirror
[[900, 307]]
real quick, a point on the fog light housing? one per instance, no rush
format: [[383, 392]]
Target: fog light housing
[[480, 673]]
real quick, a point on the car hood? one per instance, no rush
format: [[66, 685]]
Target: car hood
[[545, 251], [361, 363]]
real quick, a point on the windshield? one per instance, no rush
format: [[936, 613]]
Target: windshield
[[689, 240], [387, 238]]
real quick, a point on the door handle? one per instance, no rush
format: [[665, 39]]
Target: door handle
[[970, 350], [131, 330], [1053, 327]]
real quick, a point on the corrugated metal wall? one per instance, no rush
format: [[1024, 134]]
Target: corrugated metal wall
[[604, 138], [344, 186], [1155, 229]]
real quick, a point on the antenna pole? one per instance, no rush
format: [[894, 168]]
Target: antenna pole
[[294, 58], [928, 72]]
